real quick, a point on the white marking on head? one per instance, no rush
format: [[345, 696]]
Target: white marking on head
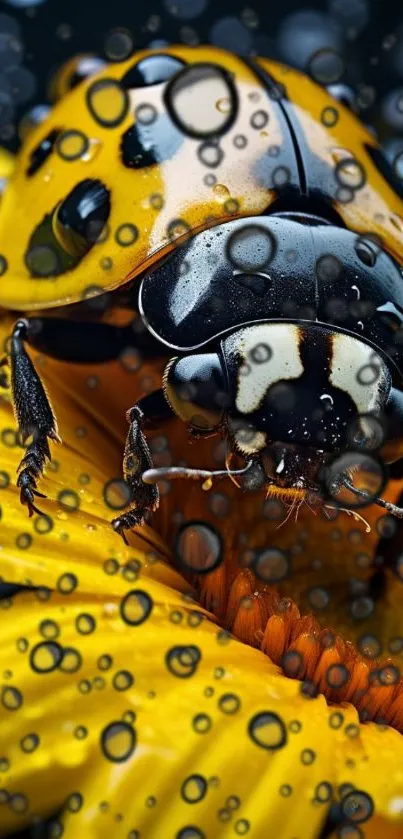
[[270, 352], [357, 369]]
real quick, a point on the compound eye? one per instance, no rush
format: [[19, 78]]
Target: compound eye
[[197, 418], [68, 233], [194, 387]]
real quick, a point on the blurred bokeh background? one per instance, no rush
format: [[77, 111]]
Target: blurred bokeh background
[[363, 40]]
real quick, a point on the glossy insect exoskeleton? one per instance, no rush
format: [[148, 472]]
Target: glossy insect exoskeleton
[[255, 228]]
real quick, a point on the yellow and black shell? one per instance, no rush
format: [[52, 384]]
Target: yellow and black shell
[[72, 73], [134, 159]]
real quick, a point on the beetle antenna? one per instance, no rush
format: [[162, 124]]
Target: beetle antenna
[[151, 476], [393, 509]]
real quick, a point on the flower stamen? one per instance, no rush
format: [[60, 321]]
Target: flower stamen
[[305, 651]]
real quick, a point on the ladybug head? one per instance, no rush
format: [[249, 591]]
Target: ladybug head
[[302, 397], [308, 407]]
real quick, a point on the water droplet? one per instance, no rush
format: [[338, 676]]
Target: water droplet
[[207, 84], [122, 680], [199, 548], [182, 661], [85, 623], [46, 656], [271, 565], [190, 833], [202, 723], [267, 730], [229, 703], [67, 583], [29, 743], [118, 741], [108, 102], [68, 500], [357, 806], [136, 607], [74, 802], [194, 788], [11, 698]]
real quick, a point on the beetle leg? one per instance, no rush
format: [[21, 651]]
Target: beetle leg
[[137, 459], [34, 415], [67, 340]]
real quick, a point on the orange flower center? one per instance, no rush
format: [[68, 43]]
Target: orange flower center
[[320, 658], [287, 574]]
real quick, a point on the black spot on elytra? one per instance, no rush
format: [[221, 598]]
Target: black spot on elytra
[[133, 152], [42, 151]]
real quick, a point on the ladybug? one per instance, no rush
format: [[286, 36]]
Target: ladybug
[[251, 229]]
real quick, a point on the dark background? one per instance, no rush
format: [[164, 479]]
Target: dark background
[[36, 36]]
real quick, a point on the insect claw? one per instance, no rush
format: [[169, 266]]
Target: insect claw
[[119, 527], [32, 508]]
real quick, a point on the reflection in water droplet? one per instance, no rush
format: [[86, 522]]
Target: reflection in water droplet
[[198, 547], [251, 247], [361, 470], [194, 788], [183, 661], [271, 565], [326, 66], [136, 607], [267, 730], [229, 703], [118, 741], [208, 84], [357, 806], [46, 656], [224, 105], [190, 833], [29, 743], [108, 102], [11, 698]]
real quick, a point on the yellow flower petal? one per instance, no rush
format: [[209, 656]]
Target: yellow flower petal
[[166, 723]]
